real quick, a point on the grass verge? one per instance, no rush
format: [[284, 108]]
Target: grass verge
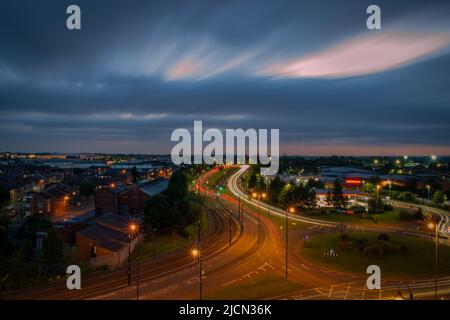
[[416, 262]]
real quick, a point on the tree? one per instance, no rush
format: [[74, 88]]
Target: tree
[[5, 245], [329, 198], [4, 197], [338, 198], [418, 214], [276, 185], [178, 186], [287, 195], [4, 220], [135, 174], [439, 197], [260, 183], [52, 247], [368, 187], [26, 251], [87, 188], [155, 210], [310, 199], [252, 181]]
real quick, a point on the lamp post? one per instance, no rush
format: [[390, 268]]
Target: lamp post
[[428, 188], [256, 195], [197, 255], [378, 189], [291, 210], [137, 268], [434, 226], [264, 196], [132, 228]]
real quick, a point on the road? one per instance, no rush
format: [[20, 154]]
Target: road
[[83, 212], [100, 283], [302, 270], [176, 276], [444, 216]]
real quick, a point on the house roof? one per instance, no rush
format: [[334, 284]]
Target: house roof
[[105, 237], [113, 221], [155, 186]]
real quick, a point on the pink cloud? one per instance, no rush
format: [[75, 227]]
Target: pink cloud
[[185, 68], [362, 55]]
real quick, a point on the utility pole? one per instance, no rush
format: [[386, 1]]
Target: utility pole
[[137, 267], [129, 260]]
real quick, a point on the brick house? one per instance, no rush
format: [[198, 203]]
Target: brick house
[[105, 242]]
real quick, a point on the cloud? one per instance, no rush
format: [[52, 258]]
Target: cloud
[[367, 54]]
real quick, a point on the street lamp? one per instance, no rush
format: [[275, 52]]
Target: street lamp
[[378, 189], [132, 229], [434, 226], [255, 195], [195, 252], [291, 210], [429, 188], [264, 196]]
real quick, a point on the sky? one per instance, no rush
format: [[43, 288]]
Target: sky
[[138, 70]]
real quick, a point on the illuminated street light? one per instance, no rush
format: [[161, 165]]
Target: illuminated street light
[[195, 252], [132, 230], [291, 210], [429, 189], [435, 226]]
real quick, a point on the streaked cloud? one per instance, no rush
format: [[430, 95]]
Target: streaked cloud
[[366, 54], [142, 70]]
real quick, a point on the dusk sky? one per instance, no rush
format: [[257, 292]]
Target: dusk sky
[[137, 70]]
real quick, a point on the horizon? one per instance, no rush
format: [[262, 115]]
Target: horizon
[[125, 86]]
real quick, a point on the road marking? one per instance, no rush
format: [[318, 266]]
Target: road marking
[[305, 267], [229, 283]]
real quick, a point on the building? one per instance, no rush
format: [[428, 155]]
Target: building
[[53, 200], [105, 243], [107, 199], [125, 201], [351, 195], [41, 203]]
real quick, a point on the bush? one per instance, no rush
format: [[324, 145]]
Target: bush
[[388, 207], [383, 237], [418, 214], [360, 244], [52, 248], [405, 215], [374, 250], [345, 237]]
